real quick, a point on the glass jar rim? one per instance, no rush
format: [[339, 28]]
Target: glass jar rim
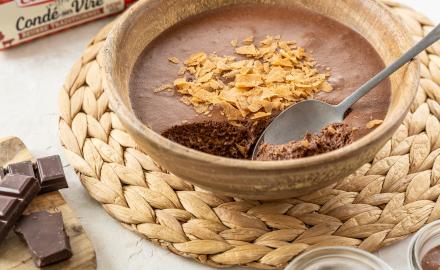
[[413, 256], [335, 251]]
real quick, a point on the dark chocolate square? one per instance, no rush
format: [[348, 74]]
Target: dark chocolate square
[[51, 172], [45, 236], [24, 168], [16, 192], [8, 206], [53, 187], [17, 185]]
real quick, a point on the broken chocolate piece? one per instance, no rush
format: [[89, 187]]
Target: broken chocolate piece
[[16, 192], [2, 173], [8, 208], [51, 174], [24, 168], [45, 236]]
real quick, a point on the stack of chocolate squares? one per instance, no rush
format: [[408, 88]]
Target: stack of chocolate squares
[[43, 231], [48, 170]]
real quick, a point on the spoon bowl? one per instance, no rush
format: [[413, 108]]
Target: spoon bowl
[[294, 122]]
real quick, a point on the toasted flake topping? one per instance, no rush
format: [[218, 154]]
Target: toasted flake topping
[[248, 40], [174, 60], [262, 77], [374, 123], [163, 88], [248, 50], [248, 80]]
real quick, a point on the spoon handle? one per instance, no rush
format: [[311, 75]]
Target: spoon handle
[[427, 41]]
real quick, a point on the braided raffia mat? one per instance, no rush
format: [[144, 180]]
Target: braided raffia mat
[[383, 202]]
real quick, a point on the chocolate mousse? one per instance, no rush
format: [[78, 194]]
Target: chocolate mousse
[[431, 260], [214, 81], [332, 137], [219, 138]]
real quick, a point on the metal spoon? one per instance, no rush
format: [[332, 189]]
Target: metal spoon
[[312, 115]]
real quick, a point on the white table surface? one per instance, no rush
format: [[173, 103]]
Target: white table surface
[[30, 79]]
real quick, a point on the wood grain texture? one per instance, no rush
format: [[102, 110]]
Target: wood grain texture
[[14, 254]]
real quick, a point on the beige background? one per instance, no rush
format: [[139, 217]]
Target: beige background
[[30, 78]]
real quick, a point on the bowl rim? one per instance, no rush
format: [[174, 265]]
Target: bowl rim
[[131, 122]]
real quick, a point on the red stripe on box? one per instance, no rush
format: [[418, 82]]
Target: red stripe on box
[[35, 4]]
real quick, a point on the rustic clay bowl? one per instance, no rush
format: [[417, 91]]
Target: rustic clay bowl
[[243, 178]]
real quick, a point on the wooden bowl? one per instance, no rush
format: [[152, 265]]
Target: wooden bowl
[[145, 20]]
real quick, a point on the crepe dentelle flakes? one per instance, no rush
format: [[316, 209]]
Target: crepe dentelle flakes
[[174, 60], [373, 123], [261, 78]]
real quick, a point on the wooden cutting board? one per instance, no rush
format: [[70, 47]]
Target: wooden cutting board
[[14, 253]]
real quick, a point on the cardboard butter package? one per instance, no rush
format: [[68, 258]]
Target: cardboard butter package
[[25, 20]]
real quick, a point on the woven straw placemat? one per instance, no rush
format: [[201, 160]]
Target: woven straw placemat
[[383, 202]]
